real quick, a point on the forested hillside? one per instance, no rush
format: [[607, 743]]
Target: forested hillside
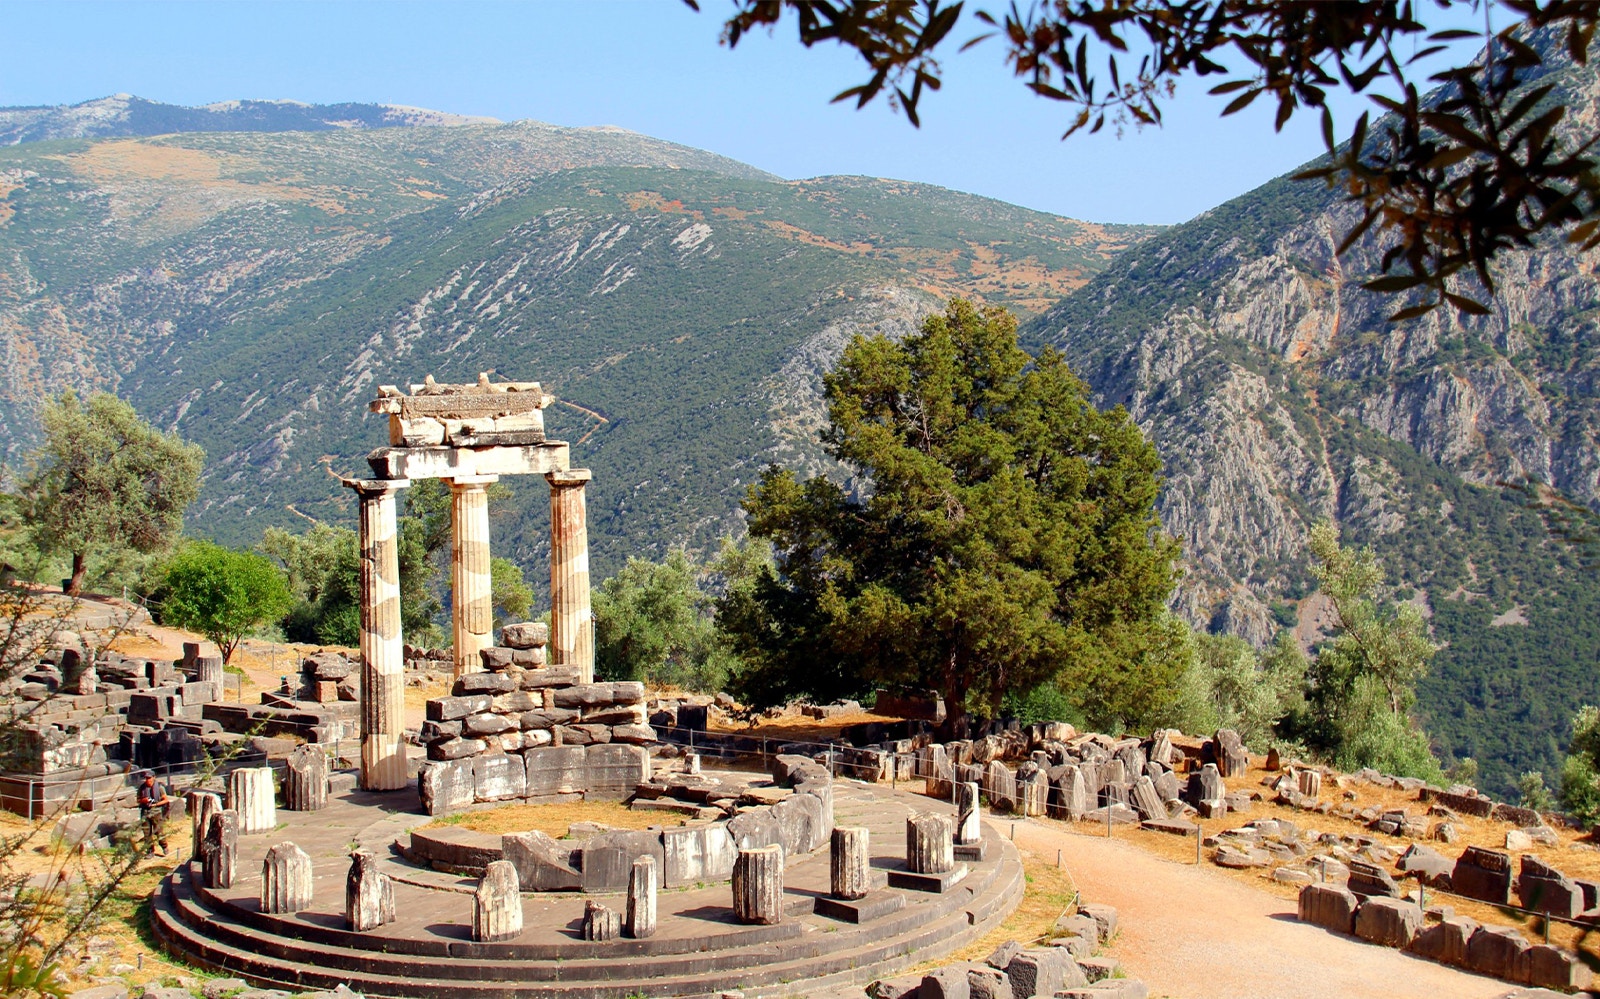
[[1279, 394], [251, 290]]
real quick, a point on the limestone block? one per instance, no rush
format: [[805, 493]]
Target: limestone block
[[1391, 922], [800, 824], [305, 780], [642, 886], [456, 708], [1205, 785], [368, 894], [758, 886], [608, 858], [984, 982], [201, 805], [484, 683], [528, 635], [1146, 801], [697, 853], [253, 796], [1370, 879], [1000, 786], [599, 922], [499, 778], [219, 854], [969, 817], [615, 771], [1310, 783], [1553, 968], [556, 770], [541, 863], [1330, 907], [929, 844], [1483, 874], [637, 735], [446, 786], [1500, 952], [285, 879], [585, 695], [948, 982], [1542, 888], [488, 723], [1104, 916], [1034, 793], [494, 660], [497, 904], [1231, 757], [1070, 796], [1038, 972], [850, 863], [1445, 941]]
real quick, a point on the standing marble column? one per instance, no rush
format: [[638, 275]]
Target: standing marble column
[[285, 880], [642, 881], [850, 863], [471, 602], [758, 886], [219, 854], [202, 805], [571, 622], [497, 904], [969, 819], [383, 695], [253, 796], [929, 846]]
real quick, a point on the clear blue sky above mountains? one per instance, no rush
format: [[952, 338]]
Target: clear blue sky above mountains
[[653, 66]]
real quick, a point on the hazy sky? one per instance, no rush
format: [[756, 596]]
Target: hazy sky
[[653, 66]]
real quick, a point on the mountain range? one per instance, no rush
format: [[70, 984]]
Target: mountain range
[[249, 281]]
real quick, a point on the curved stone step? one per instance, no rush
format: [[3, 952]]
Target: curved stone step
[[218, 938]]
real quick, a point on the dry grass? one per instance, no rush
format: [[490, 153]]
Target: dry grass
[[798, 728], [554, 819]]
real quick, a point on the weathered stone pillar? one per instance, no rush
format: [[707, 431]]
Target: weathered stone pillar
[[219, 854], [253, 796], [285, 879], [969, 820], [383, 666], [368, 894], [202, 805], [929, 846], [497, 904], [571, 622], [642, 883], [305, 780], [758, 885], [849, 863], [599, 922], [208, 669], [1034, 793], [691, 764], [471, 607]]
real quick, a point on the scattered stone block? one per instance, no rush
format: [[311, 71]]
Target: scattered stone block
[[948, 982], [984, 982], [1391, 922], [1370, 879], [1553, 968], [1330, 907], [1483, 874], [1041, 971], [541, 863], [1499, 952], [1445, 941]]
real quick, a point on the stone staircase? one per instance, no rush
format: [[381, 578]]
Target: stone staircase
[[801, 955]]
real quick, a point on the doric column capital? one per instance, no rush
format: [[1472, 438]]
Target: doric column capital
[[375, 487], [462, 482], [569, 478]]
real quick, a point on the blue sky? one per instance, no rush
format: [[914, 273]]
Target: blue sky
[[653, 66]]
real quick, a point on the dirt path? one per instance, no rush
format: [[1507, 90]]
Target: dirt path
[[1195, 933]]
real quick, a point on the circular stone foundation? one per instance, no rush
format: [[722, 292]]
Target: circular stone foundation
[[698, 949]]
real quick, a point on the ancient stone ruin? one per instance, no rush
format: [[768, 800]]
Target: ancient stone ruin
[[469, 436]]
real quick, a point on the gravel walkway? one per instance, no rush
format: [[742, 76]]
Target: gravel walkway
[[1196, 933]]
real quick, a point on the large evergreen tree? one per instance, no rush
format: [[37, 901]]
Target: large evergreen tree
[[1000, 532]]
